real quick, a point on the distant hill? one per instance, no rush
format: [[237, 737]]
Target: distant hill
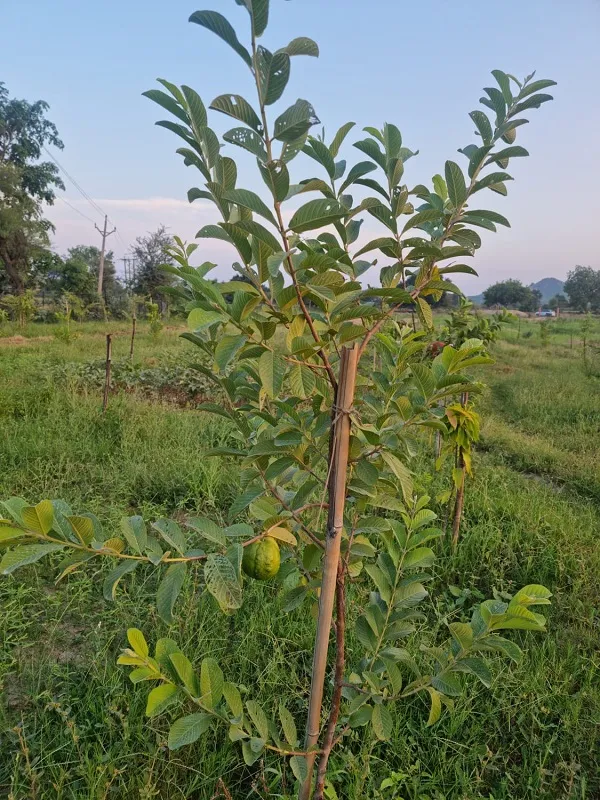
[[549, 287]]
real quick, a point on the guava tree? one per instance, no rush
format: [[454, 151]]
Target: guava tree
[[328, 394]]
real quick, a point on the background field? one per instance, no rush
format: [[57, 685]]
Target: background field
[[71, 724]]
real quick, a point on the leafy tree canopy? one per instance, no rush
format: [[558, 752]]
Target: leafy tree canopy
[[583, 288], [512, 294], [25, 183], [150, 252]]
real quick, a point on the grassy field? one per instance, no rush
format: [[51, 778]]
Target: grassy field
[[71, 724]]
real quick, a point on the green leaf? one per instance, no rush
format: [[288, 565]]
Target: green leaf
[[215, 22], [161, 698], [138, 643], [260, 232], [187, 730], [169, 589], [196, 110], [207, 529], [211, 682], [424, 380], [295, 121], [39, 518], [259, 14], [248, 199], [227, 347], [477, 667], [186, 673], [316, 214], [271, 369], [222, 581], [275, 174], [462, 633], [429, 215], [485, 218], [301, 46], [446, 683], [356, 172], [302, 381], [171, 533], [320, 152], [8, 533], [401, 472], [276, 76], [134, 531], [26, 554], [483, 125], [244, 500], [455, 181], [259, 718], [436, 706], [233, 699], [288, 725], [490, 180], [419, 557], [536, 86], [167, 102], [198, 318], [339, 137], [534, 101], [249, 140], [234, 105], [112, 579], [15, 506], [381, 719]]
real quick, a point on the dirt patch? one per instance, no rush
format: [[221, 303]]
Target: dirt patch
[[15, 341]]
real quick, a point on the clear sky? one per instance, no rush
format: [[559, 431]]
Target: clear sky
[[420, 65]]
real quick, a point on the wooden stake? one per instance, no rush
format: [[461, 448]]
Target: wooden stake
[[338, 466], [132, 337], [107, 373]]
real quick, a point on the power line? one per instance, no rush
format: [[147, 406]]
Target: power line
[[93, 204], [86, 196], [85, 216]]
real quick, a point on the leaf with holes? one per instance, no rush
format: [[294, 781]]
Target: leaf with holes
[[234, 105], [295, 121], [316, 214], [222, 581]]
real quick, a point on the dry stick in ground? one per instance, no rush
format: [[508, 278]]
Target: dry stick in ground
[[133, 320], [335, 523], [107, 373], [338, 681], [460, 491]]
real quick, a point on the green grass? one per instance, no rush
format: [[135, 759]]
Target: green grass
[[73, 727]]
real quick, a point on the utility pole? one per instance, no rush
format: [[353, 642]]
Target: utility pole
[[104, 235]]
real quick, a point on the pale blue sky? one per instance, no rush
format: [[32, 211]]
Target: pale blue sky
[[421, 65]]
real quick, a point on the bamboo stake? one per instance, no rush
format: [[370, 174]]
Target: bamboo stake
[[335, 522], [107, 373], [133, 320]]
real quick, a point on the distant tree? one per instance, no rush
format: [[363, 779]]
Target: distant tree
[[150, 252], [558, 301], [26, 183], [80, 276], [583, 288], [512, 294]]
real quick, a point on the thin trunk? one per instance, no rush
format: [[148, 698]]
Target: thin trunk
[[107, 372], [335, 523], [132, 338]]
